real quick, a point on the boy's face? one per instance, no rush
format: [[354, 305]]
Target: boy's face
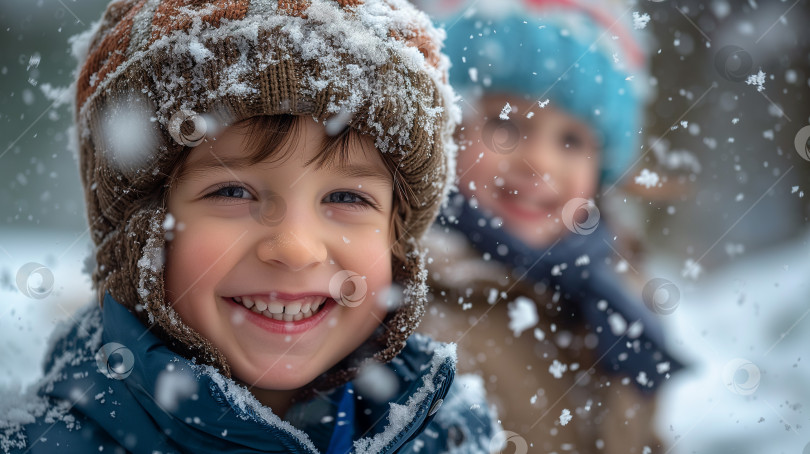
[[526, 183], [274, 236]]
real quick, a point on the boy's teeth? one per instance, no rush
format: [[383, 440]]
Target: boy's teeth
[[278, 311], [275, 307]]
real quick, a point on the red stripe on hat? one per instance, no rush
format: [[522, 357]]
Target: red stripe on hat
[[170, 16], [109, 54]]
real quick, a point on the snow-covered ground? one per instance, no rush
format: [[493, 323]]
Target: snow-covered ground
[[26, 322], [746, 330]]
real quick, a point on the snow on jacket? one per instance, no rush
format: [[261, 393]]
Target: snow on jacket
[[542, 376], [141, 397]]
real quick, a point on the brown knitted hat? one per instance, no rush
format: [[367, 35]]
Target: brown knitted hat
[[153, 65]]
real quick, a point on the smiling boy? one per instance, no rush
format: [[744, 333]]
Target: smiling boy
[[272, 286], [258, 176]]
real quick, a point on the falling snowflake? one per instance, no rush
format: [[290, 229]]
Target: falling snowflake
[[691, 269], [647, 179], [757, 79], [734, 249], [640, 20], [522, 315], [565, 416], [582, 260], [539, 334], [505, 112], [557, 369]]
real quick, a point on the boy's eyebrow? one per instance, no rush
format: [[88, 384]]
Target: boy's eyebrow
[[362, 171], [212, 161], [236, 163]]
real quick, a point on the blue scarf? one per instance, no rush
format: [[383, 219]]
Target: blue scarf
[[584, 288]]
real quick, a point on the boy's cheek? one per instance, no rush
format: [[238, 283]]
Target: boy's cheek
[[368, 252], [195, 251], [363, 241]]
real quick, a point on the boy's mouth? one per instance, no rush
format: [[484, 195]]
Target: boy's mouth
[[282, 310]]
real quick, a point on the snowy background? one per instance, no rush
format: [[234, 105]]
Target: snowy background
[[721, 207]]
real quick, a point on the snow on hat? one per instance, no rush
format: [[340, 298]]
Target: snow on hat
[[574, 55], [158, 72]]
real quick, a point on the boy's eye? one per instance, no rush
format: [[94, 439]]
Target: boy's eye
[[230, 191], [345, 197]]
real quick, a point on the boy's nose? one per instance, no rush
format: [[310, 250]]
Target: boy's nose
[[293, 246]]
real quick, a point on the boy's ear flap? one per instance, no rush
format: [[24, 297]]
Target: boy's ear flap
[[399, 215]]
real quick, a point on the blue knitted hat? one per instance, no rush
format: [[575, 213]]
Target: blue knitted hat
[[576, 57]]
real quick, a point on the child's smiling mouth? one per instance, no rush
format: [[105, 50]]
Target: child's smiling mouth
[[289, 308]]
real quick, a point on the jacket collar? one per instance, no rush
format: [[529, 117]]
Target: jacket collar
[[142, 394]]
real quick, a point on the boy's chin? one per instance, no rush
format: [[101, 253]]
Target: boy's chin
[[280, 373], [275, 380]]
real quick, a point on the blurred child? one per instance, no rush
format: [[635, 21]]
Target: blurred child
[[569, 354], [258, 175]]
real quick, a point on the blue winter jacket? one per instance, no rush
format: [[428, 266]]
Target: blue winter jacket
[[141, 397]]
